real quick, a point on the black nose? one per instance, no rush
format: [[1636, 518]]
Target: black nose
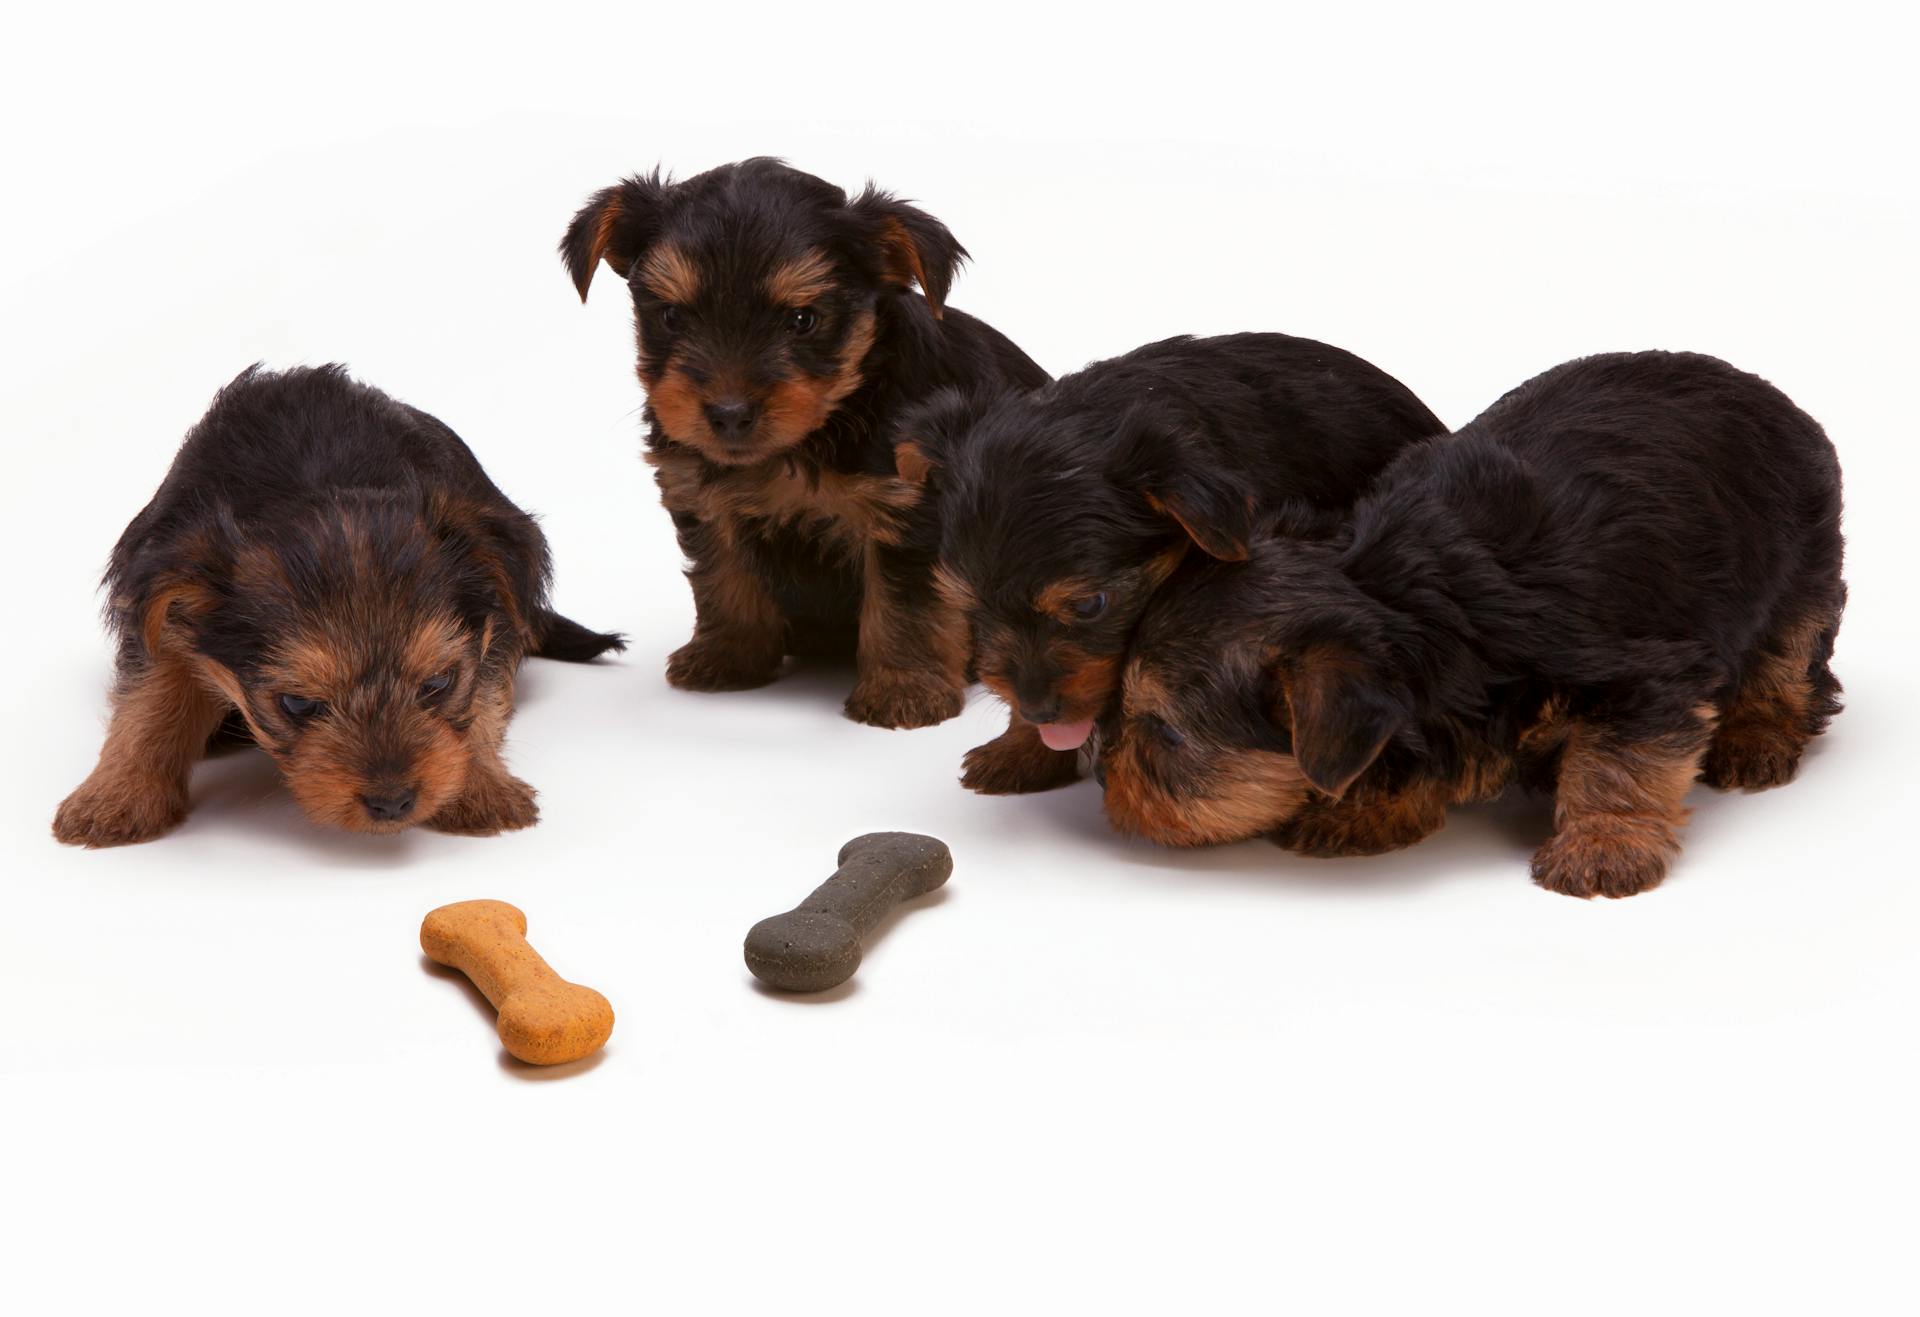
[[732, 419], [389, 806], [1036, 711]]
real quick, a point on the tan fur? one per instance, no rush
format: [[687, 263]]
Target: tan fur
[[670, 275], [1618, 810], [912, 664], [801, 281], [1057, 598], [1251, 792], [1770, 719], [902, 261], [1018, 761], [162, 717], [846, 511]]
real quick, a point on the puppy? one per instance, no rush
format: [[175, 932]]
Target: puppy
[[1065, 509], [1623, 576], [779, 341], [331, 570]]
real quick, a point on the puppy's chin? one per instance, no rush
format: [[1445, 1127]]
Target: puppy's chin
[[336, 799], [761, 447]]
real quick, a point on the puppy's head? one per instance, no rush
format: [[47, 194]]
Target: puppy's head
[[1059, 524], [369, 646], [755, 292], [1249, 688]]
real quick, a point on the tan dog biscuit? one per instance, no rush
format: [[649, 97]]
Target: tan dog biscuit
[[816, 945], [544, 1020]]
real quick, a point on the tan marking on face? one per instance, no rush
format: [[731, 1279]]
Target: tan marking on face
[[670, 275], [911, 462], [1087, 681], [957, 593], [1057, 599], [436, 645], [801, 281], [1143, 694]]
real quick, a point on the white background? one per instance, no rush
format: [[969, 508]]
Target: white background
[[1092, 1076]]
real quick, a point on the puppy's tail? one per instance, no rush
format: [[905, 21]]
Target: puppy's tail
[[565, 639]]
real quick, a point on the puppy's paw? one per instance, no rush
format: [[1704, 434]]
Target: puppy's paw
[[1751, 758], [485, 809], [903, 699], [1014, 763], [709, 664], [116, 812], [1588, 862]]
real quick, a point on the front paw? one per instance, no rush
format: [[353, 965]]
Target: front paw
[[709, 664], [1014, 763], [1589, 862], [502, 804], [111, 812], [903, 699]]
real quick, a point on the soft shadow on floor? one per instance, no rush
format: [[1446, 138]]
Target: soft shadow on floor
[[1499, 835]]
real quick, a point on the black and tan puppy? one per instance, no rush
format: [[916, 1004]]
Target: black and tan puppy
[[779, 341], [1623, 576], [1066, 508], [334, 568]]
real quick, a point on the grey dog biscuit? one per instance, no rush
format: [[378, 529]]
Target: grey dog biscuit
[[816, 945]]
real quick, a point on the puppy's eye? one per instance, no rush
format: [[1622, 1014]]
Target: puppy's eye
[[1091, 607], [1169, 733], [435, 686], [801, 320], [670, 317], [301, 708]]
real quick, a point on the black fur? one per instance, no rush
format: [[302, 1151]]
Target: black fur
[[1621, 542], [778, 517], [1092, 484]]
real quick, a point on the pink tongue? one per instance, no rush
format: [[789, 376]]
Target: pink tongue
[[1066, 736]]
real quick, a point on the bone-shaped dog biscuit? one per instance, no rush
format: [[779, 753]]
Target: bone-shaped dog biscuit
[[816, 945], [544, 1020]]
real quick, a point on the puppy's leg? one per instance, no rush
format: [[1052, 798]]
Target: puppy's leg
[[1784, 700], [492, 800], [739, 636], [913, 646], [162, 718], [1366, 820], [1619, 805], [1017, 761]]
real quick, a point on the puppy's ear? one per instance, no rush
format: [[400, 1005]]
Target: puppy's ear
[[913, 246], [1212, 509], [501, 563], [1343, 715], [616, 225], [930, 434]]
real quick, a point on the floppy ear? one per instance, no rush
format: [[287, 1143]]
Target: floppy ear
[[930, 434], [616, 225], [913, 246], [1343, 716], [1212, 509], [502, 559]]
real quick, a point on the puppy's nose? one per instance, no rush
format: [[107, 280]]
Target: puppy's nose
[[732, 418], [1040, 711], [389, 806]]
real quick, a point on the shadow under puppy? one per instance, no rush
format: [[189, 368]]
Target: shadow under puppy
[[779, 340], [333, 567], [1623, 576], [1065, 510]]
